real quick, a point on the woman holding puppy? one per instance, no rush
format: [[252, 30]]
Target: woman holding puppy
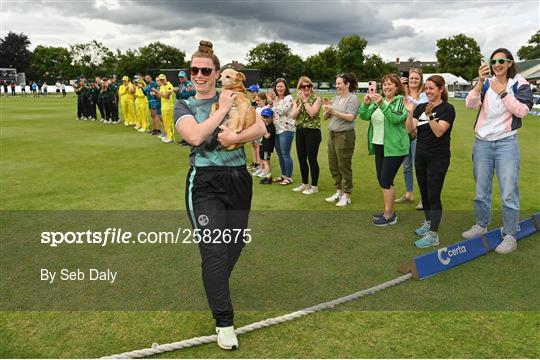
[[218, 185]]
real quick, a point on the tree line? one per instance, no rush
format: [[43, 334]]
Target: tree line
[[457, 54]]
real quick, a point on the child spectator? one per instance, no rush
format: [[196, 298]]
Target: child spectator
[[267, 146], [260, 103]]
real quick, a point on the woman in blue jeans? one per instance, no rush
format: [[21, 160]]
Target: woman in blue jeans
[[504, 98], [282, 103], [414, 89]]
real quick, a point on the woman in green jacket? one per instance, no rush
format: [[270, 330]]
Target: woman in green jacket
[[387, 139]]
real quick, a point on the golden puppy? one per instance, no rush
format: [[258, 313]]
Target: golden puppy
[[242, 114]]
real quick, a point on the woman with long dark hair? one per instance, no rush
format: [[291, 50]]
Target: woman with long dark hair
[[281, 102], [342, 111], [504, 98]]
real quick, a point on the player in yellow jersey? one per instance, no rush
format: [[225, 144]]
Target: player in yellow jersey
[[125, 93], [141, 106], [166, 94]]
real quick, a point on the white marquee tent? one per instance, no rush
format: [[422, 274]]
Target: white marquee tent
[[450, 79]]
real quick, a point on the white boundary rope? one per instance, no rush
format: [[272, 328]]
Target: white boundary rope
[[158, 349]]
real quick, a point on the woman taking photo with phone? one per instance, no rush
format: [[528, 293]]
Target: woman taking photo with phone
[[306, 111], [433, 123], [387, 139], [503, 99], [414, 90], [342, 111], [218, 185]]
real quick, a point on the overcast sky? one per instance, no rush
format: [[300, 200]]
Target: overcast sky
[[393, 28]]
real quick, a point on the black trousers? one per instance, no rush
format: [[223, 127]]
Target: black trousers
[[108, 104], [100, 107], [386, 167], [86, 106], [219, 198], [430, 173], [307, 149], [92, 106], [80, 107], [115, 117]]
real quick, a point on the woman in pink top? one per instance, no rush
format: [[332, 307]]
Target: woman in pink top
[[504, 98]]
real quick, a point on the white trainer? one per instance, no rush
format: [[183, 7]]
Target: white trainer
[[344, 201], [474, 231], [311, 190], [301, 188], [334, 198], [508, 245], [226, 338]]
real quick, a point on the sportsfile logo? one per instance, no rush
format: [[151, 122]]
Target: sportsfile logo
[[445, 255]]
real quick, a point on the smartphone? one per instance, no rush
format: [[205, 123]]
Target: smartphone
[[372, 88], [483, 61]]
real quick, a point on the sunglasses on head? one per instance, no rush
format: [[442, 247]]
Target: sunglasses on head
[[205, 71], [308, 86], [499, 61]]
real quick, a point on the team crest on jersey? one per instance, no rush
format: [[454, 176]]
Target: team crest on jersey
[[203, 220]]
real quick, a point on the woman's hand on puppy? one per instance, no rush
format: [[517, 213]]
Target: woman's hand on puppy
[[226, 100], [227, 137]]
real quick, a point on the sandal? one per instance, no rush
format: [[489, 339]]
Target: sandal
[[279, 179], [285, 181]]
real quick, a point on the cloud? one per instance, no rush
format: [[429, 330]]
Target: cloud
[[392, 28]]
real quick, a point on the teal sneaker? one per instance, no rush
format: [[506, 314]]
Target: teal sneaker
[[423, 229], [430, 239]]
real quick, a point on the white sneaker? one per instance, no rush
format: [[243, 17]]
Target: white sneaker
[[311, 190], [474, 231], [162, 135], [262, 174], [344, 201], [334, 197], [301, 188], [508, 245], [166, 141], [226, 338], [141, 130], [257, 172]]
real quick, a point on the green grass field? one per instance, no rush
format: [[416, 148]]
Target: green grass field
[[304, 252]]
